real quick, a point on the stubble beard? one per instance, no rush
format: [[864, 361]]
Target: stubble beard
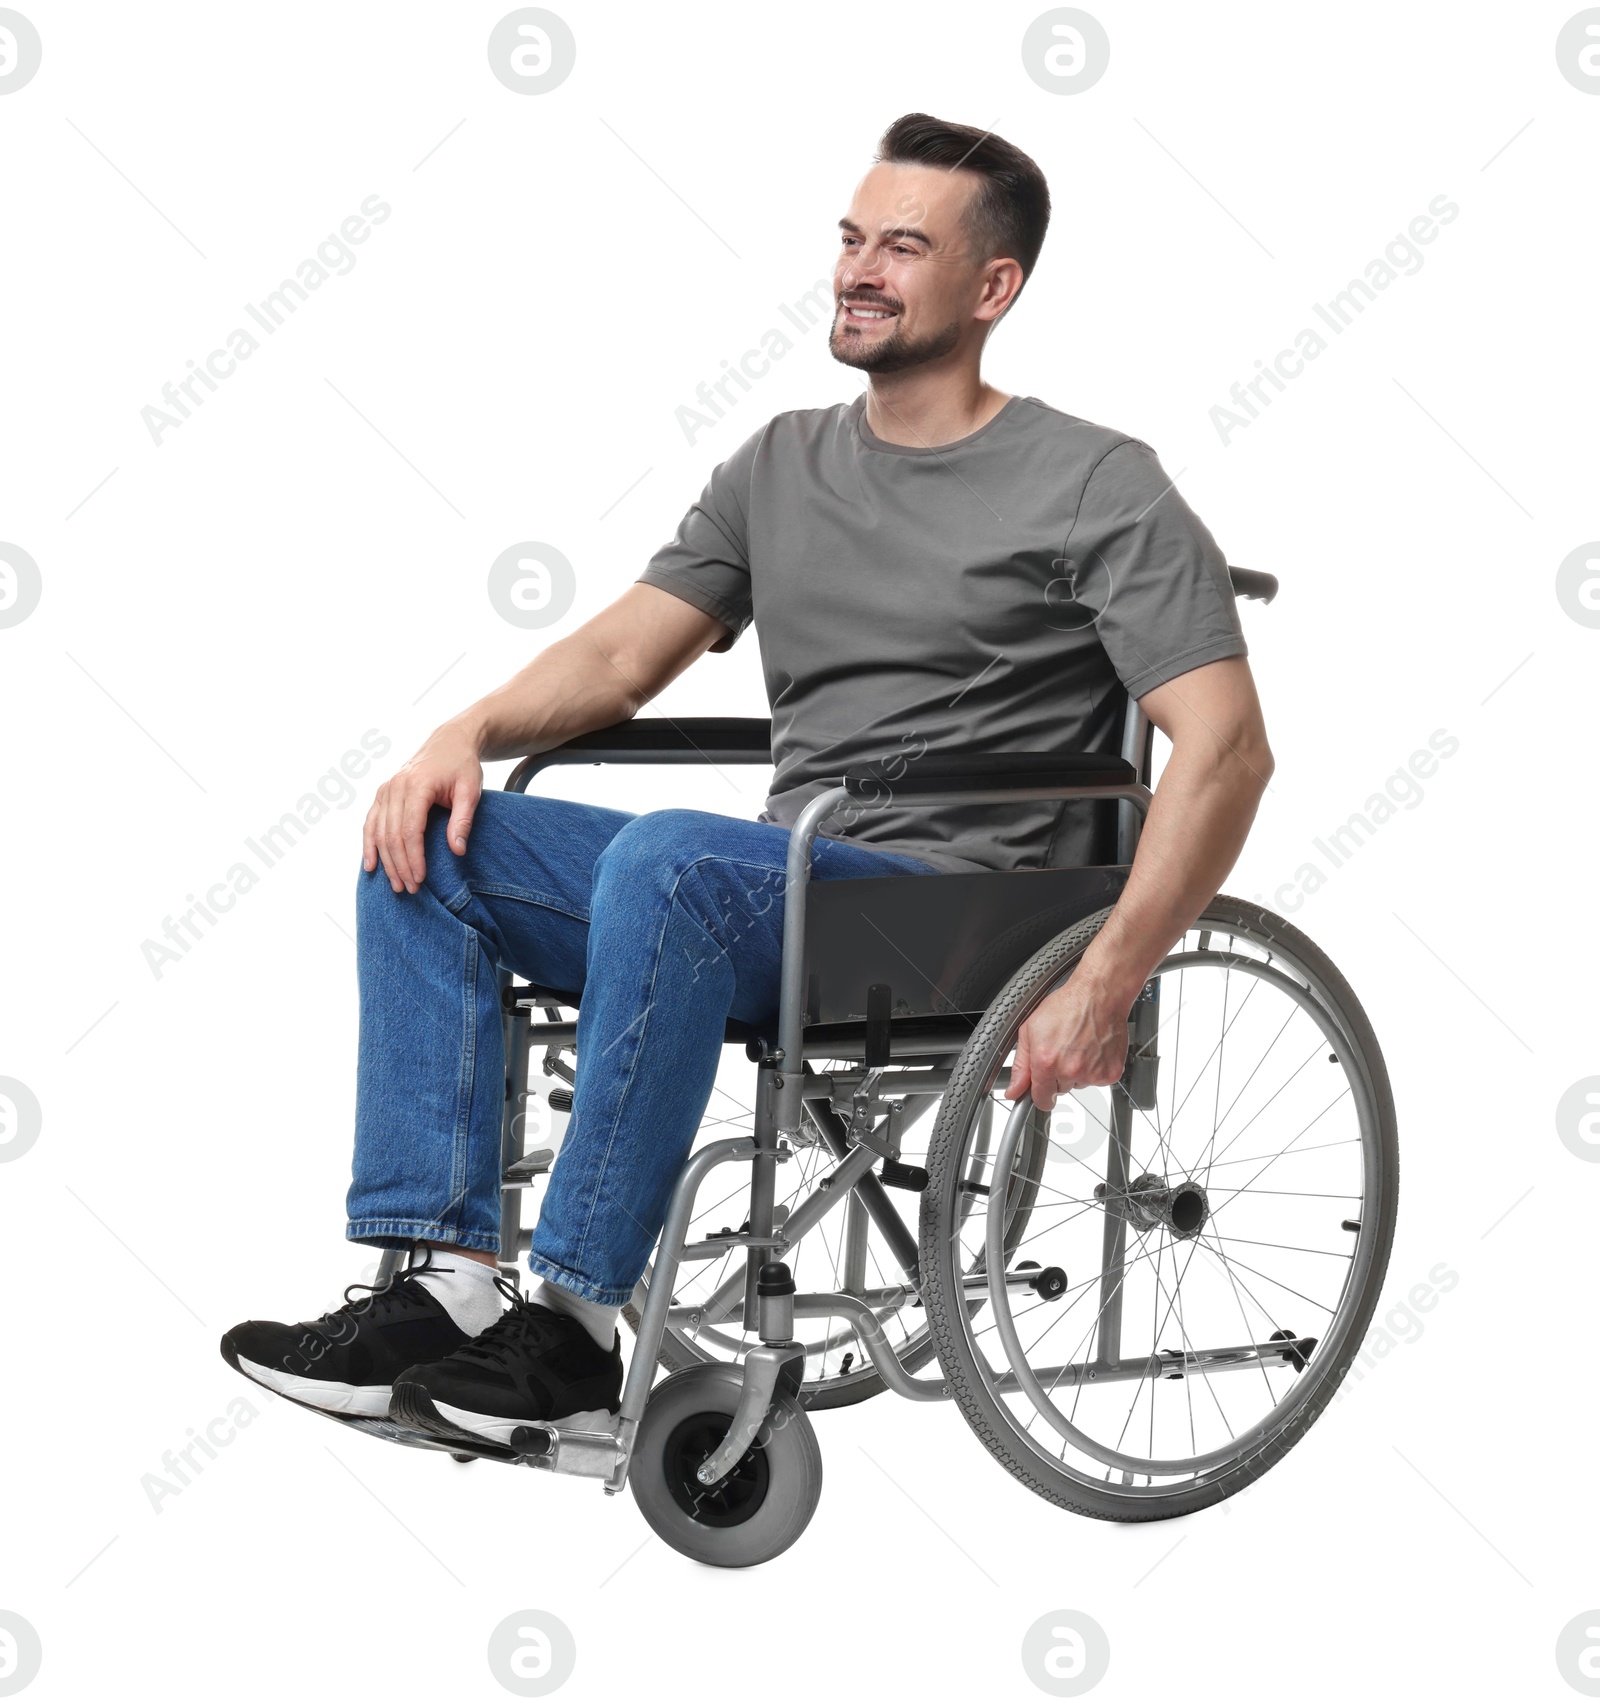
[[891, 354]]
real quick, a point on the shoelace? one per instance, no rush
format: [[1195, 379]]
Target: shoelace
[[380, 1300], [525, 1326]]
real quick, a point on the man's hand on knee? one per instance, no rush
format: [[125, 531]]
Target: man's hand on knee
[[444, 771]]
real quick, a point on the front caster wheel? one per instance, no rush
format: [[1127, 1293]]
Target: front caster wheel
[[760, 1507]]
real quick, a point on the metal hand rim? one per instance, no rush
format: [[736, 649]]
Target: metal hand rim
[[1000, 1300]]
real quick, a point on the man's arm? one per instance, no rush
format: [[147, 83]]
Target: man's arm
[[1201, 813], [599, 675]]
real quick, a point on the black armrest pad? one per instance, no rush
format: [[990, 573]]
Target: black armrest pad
[[960, 773], [658, 741], [687, 735], [1253, 584]]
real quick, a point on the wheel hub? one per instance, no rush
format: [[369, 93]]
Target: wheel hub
[[733, 1500], [1183, 1209]]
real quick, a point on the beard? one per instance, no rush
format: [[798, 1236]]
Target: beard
[[893, 352]]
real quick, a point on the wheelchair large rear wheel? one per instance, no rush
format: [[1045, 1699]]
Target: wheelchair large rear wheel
[[1223, 1247]]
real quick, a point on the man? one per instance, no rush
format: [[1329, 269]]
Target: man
[[935, 566]]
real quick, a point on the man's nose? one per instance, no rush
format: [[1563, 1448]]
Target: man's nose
[[863, 267]]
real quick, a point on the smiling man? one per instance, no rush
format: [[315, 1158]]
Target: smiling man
[[935, 566]]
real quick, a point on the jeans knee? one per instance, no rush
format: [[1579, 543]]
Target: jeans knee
[[684, 858], [655, 848]]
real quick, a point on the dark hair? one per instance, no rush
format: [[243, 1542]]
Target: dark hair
[[1010, 211]]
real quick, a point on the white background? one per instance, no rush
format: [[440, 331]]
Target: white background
[[229, 611]]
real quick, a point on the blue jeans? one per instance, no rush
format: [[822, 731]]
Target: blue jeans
[[666, 922]]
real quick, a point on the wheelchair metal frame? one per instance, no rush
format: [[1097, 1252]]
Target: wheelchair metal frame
[[779, 1099], [777, 1131], [783, 1085]]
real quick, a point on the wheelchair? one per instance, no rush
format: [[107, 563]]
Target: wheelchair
[[1140, 1300]]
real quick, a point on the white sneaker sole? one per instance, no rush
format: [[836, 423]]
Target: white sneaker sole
[[500, 1429], [334, 1396]]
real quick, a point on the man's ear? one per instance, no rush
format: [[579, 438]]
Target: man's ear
[[1003, 283]]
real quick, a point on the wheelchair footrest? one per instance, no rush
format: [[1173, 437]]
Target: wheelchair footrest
[[527, 1169], [380, 1428]]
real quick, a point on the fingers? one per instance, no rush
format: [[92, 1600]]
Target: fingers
[[1046, 1087], [1042, 1071], [413, 820], [396, 828], [467, 794], [376, 837], [1071, 1042], [1021, 1076], [387, 850], [369, 839], [391, 807], [1034, 1071]]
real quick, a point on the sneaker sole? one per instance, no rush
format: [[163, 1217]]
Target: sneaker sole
[[412, 1405], [335, 1397]]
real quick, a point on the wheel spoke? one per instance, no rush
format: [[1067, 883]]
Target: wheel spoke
[[1315, 1051], [1250, 1185], [1227, 1014], [1271, 1280], [1217, 1119], [1259, 1083]]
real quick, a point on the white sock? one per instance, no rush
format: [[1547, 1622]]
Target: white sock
[[599, 1319], [466, 1288]]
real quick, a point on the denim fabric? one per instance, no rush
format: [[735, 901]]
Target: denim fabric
[[667, 922]]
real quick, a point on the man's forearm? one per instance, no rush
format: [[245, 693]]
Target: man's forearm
[[569, 689], [1199, 817]]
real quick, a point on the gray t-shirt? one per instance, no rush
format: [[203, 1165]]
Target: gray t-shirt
[[1000, 594]]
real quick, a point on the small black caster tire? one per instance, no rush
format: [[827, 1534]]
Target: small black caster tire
[[760, 1507]]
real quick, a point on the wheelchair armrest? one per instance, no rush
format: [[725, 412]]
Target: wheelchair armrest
[[1253, 584], [658, 741], [965, 773]]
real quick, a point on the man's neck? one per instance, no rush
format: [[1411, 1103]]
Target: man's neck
[[927, 408]]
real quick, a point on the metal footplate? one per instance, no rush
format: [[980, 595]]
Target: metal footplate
[[382, 1429], [569, 1451]]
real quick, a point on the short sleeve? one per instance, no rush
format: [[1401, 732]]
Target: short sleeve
[[707, 563], [1147, 565]]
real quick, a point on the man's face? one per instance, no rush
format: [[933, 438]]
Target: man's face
[[906, 282]]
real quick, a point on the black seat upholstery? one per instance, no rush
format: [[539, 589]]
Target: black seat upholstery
[[944, 944]]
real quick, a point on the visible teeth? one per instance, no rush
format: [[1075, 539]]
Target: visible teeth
[[868, 313]]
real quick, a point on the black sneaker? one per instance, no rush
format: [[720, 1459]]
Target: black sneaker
[[534, 1365], [347, 1360]]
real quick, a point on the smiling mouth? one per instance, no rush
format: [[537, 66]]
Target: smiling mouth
[[860, 315]]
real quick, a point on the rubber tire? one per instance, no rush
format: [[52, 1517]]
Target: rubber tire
[[985, 1414], [794, 1468]]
